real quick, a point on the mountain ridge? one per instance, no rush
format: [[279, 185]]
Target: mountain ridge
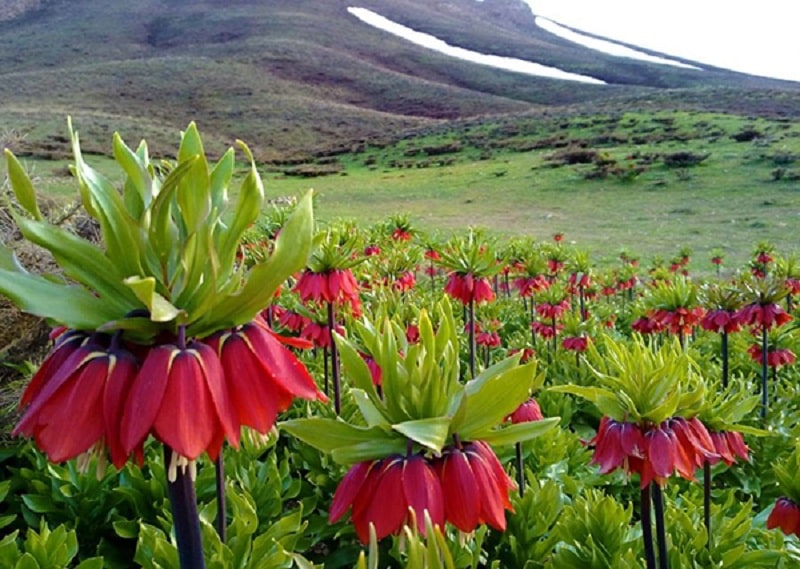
[[295, 78]]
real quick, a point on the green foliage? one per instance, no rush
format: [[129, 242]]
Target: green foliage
[[737, 542], [170, 244], [45, 549], [641, 383], [595, 533]]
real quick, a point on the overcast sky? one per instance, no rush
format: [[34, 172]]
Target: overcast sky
[[762, 40]]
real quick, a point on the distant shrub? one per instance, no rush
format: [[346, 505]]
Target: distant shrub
[[785, 174], [684, 159], [747, 135], [313, 170], [571, 156], [782, 158]]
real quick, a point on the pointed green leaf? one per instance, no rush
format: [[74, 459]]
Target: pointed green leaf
[[81, 261], [520, 432], [139, 181], [221, 176], [194, 199], [21, 185], [369, 450], [329, 434], [372, 414], [161, 310], [431, 433], [72, 306], [104, 203], [354, 366], [494, 399], [289, 256]]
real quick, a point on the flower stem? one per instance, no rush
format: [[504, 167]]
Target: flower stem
[[724, 359], [520, 470], [325, 371], [764, 397], [661, 535], [184, 516], [222, 522], [471, 317], [337, 386], [647, 528], [707, 500]]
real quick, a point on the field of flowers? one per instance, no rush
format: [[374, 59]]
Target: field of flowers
[[232, 386]]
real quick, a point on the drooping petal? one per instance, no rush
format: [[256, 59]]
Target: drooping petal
[[65, 346], [660, 452], [282, 365], [348, 489], [388, 508], [255, 399], [490, 492], [737, 445], [460, 490], [209, 364], [72, 420], [145, 396], [423, 491], [785, 515], [122, 373], [187, 419]]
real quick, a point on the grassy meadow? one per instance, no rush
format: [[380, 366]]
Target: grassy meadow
[[608, 182]]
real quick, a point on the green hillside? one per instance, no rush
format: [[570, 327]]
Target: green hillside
[[300, 77]]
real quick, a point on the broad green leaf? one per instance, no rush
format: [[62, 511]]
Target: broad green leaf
[[492, 372], [9, 261], [431, 433], [194, 200], [372, 414], [72, 306], [27, 561], [81, 260], [221, 176], [369, 450], [248, 208], [520, 432], [329, 434], [22, 186], [91, 563], [495, 398], [289, 256], [39, 504], [139, 186], [355, 367], [161, 310]]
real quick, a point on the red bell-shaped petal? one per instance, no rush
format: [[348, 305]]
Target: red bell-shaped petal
[[660, 452], [632, 440], [423, 491], [66, 344], [348, 489], [492, 494], [374, 492], [72, 419], [461, 491], [786, 516], [737, 445], [122, 372], [608, 452]]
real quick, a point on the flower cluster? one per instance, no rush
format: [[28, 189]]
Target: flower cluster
[[786, 516], [94, 391], [465, 485], [654, 452]]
